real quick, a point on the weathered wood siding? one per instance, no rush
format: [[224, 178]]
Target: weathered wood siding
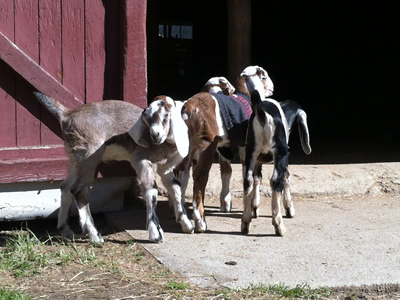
[[68, 50]]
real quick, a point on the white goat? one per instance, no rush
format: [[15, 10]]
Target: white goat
[[98, 131]]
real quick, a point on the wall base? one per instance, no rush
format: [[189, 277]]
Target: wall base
[[39, 200]]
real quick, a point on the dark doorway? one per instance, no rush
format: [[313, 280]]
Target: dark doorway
[[340, 63], [186, 45]]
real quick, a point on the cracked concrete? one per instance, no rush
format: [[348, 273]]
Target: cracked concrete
[[345, 232]]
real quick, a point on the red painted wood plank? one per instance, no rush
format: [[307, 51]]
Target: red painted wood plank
[[32, 153], [49, 169], [26, 38], [33, 170], [135, 58], [50, 60], [7, 81], [7, 18], [34, 74], [94, 49], [7, 107], [73, 46]]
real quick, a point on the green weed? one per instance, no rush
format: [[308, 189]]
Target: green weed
[[21, 254], [177, 286], [6, 294], [299, 291]]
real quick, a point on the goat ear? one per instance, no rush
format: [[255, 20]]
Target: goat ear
[[229, 89], [185, 113], [136, 133], [179, 131]]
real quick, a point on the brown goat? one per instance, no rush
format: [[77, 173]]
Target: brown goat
[[207, 132]]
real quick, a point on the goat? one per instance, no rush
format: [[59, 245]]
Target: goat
[[203, 114], [207, 133], [151, 139], [267, 139]]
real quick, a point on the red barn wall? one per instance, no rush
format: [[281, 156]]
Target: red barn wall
[[76, 51]]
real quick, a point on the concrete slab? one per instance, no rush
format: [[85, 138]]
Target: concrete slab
[[345, 232]]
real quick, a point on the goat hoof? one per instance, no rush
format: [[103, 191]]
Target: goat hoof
[[96, 239], [290, 212], [200, 226], [156, 234], [187, 226], [67, 233], [280, 230], [245, 228], [225, 207], [254, 213]]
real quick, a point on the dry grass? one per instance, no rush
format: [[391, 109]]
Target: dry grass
[[123, 269]]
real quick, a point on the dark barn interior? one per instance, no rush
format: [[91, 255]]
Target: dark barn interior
[[341, 63]]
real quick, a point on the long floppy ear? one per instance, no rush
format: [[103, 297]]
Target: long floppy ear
[[178, 129], [136, 133], [229, 89]]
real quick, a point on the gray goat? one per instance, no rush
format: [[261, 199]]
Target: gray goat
[[153, 139]]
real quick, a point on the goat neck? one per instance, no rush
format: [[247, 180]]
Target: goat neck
[[241, 86]]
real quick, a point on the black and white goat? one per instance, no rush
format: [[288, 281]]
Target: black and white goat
[[153, 139], [218, 118], [250, 79], [204, 116], [267, 140]]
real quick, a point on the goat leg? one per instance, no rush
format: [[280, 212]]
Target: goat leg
[[156, 234], [174, 194], [225, 197], [148, 187], [81, 192], [287, 198], [65, 205], [200, 178], [255, 202], [277, 220]]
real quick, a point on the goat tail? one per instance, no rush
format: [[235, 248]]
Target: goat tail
[[53, 106], [293, 112], [303, 131]]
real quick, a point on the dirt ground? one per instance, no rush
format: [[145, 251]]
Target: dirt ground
[[121, 269], [124, 269]]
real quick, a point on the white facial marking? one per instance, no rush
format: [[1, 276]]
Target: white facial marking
[[158, 128], [249, 71]]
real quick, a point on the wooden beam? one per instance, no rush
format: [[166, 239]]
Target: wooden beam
[[35, 74], [239, 37]]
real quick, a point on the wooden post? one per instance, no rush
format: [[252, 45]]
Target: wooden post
[[239, 37]]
